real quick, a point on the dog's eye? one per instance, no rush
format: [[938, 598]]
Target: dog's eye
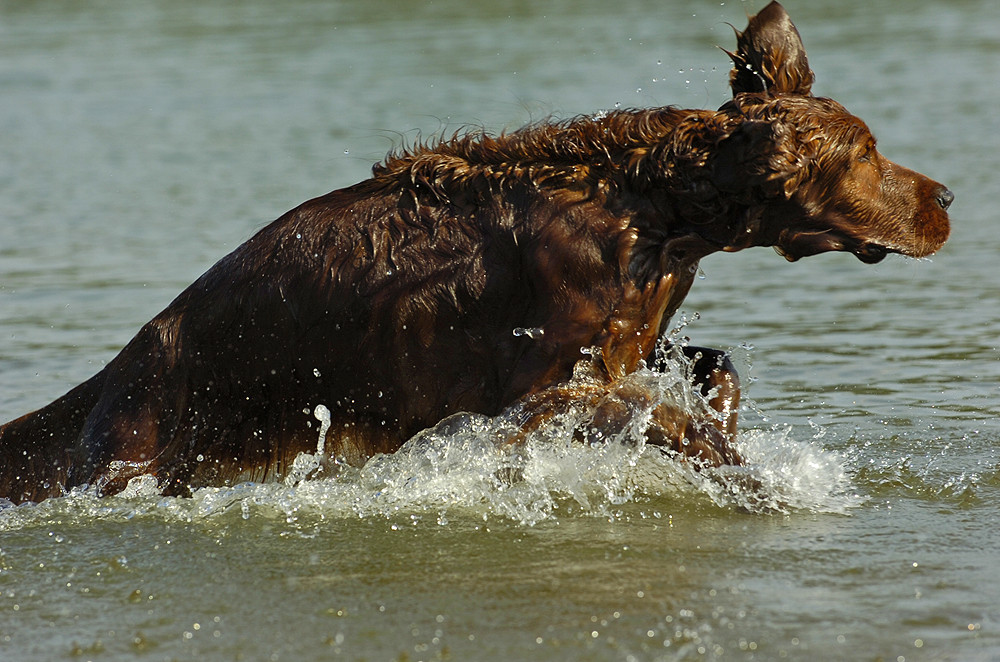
[[867, 153]]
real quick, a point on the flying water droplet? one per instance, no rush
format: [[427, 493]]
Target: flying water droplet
[[533, 332]]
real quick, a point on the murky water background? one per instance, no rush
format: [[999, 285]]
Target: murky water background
[[139, 142]]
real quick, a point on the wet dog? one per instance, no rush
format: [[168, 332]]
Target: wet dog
[[468, 275]]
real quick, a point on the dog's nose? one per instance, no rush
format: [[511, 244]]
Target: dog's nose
[[944, 197]]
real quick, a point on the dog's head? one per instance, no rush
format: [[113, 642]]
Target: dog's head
[[820, 183]]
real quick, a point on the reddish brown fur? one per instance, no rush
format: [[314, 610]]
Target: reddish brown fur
[[393, 301]]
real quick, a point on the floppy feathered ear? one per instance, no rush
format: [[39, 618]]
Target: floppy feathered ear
[[758, 160], [770, 56]]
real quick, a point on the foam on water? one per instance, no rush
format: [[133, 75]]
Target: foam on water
[[458, 467]]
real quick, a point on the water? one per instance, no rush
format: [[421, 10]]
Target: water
[[143, 141]]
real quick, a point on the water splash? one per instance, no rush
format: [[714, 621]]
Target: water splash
[[458, 467], [322, 414], [311, 465]]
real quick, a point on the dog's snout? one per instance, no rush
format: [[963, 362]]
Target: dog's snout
[[944, 197]]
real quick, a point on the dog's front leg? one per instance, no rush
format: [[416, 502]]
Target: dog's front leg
[[715, 377]]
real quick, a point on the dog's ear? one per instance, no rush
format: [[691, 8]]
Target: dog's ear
[[758, 159], [770, 56]]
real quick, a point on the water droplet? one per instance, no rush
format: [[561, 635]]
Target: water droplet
[[534, 332]]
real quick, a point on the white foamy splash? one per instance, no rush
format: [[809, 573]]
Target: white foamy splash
[[457, 467]]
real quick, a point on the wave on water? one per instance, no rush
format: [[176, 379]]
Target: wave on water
[[457, 468]]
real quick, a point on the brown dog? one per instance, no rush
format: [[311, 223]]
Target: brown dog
[[468, 275]]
